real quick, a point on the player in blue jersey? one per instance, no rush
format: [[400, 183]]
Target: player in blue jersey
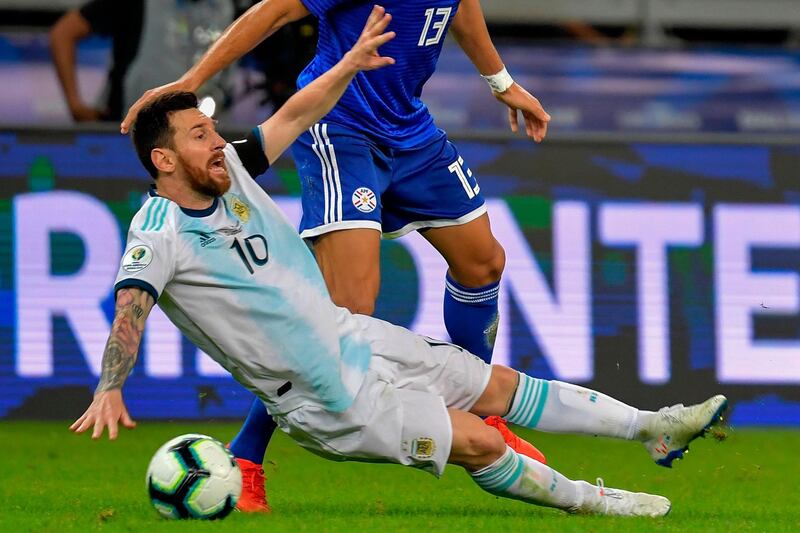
[[377, 165]]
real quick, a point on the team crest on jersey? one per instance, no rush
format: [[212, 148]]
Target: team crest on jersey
[[364, 200], [137, 259], [239, 208], [423, 448]]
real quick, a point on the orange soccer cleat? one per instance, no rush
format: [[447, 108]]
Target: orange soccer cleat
[[517, 444], [254, 495]]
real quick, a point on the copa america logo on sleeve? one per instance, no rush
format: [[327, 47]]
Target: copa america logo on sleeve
[[364, 200], [137, 259]]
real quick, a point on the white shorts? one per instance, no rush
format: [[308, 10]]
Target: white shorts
[[400, 413]]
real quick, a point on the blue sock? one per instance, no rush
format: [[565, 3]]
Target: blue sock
[[470, 316], [251, 441]]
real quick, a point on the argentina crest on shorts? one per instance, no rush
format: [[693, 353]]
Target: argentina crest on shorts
[[364, 200]]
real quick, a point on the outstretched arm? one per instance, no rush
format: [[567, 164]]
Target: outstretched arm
[[64, 37], [470, 32], [107, 408], [316, 99], [258, 23]]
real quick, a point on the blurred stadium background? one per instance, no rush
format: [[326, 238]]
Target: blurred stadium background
[[653, 240]]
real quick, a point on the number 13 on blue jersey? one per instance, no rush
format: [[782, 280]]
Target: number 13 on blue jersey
[[435, 23]]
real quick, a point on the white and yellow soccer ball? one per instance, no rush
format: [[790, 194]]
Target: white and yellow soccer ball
[[194, 476]]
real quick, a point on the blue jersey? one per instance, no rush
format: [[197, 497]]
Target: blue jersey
[[383, 104]]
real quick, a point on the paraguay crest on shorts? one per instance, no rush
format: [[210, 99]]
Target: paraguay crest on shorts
[[364, 200]]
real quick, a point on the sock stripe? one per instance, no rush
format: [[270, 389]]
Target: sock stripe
[[480, 291], [512, 478], [540, 407], [529, 401], [472, 296], [499, 476], [515, 403], [522, 400], [474, 301], [491, 472]]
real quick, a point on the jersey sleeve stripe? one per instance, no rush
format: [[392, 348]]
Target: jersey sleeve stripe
[[158, 214], [138, 284], [153, 215], [149, 214], [163, 216]]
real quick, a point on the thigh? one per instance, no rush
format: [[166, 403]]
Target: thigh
[[342, 175], [432, 186], [473, 254], [384, 424], [450, 371], [417, 362], [350, 263]]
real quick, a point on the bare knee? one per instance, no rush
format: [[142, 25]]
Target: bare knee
[[475, 445], [481, 268], [496, 263], [359, 306], [356, 294], [499, 393], [480, 449]]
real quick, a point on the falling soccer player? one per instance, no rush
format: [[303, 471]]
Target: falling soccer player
[[226, 267], [377, 166]]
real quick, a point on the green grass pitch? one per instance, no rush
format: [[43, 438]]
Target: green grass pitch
[[52, 480]]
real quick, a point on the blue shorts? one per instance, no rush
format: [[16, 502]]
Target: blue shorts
[[348, 181]]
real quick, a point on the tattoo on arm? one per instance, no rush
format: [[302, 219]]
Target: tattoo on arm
[[133, 306]]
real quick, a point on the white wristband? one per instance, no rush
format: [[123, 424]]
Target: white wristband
[[499, 82]]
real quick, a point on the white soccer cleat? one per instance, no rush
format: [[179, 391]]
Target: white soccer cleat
[[671, 429], [618, 502]]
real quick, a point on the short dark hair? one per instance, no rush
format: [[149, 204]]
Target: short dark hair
[[152, 128]]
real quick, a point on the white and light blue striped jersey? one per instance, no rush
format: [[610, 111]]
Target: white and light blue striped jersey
[[239, 282]]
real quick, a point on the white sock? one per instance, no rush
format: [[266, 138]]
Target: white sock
[[521, 478], [561, 407]]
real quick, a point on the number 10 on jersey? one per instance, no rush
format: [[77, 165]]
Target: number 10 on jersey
[[254, 252]]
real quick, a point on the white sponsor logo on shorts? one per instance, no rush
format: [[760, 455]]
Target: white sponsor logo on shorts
[[137, 258], [364, 200]]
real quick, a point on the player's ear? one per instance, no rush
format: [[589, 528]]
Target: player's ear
[[163, 159]]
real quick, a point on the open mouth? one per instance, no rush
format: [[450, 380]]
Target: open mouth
[[217, 166]]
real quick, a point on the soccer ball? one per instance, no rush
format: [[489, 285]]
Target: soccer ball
[[194, 476]]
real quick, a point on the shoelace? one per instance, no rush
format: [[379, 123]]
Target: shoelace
[[602, 488], [605, 493], [501, 425], [671, 408], [672, 413]]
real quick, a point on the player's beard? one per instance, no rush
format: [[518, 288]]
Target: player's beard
[[201, 180]]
